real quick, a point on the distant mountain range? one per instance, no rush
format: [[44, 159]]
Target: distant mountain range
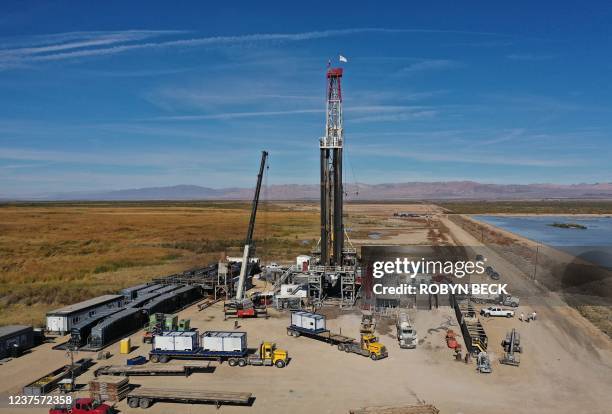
[[396, 191]]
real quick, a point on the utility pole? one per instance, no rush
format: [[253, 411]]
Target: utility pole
[[535, 265]]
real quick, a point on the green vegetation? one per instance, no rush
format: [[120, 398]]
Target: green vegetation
[[528, 207], [568, 226]]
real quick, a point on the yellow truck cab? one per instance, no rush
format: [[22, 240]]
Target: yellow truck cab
[[369, 343], [276, 357]]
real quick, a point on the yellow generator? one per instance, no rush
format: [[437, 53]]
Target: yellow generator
[[125, 346]]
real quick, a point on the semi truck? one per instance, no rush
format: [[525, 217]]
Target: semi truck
[[406, 334], [215, 345], [312, 325], [504, 300]]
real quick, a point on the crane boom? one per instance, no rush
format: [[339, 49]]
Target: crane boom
[[249, 238]]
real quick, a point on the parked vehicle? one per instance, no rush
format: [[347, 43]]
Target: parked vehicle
[[217, 345], [406, 334], [312, 325], [83, 406], [497, 311], [504, 300]]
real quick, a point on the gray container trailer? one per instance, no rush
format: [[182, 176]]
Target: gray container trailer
[[14, 339]]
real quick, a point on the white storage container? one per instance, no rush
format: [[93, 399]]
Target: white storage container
[[224, 341], [163, 342], [308, 320], [185, 341], [175, 341]]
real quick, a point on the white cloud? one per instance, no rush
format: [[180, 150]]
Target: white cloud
[[424, 65], [84, 44]]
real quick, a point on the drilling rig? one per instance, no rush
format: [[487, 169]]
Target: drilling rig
[[333, 274], [239, 306]]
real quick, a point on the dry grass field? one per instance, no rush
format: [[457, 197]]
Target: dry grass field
[[58, 254]]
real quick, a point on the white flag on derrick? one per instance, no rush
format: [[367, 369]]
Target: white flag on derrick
[[342, 59]]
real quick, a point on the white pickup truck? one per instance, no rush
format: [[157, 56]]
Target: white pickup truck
[[497, 311]]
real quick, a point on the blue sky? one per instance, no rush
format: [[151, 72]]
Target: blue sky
[[135, 94]]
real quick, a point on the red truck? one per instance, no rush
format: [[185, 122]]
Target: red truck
[[83, 406]]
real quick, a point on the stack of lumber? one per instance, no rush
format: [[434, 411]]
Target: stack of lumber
[[109, 388], [407, 409]]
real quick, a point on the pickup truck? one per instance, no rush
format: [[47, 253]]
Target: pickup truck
[[496, 311], [83, 406]]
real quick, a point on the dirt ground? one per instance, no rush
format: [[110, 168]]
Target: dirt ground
[[566, 366]]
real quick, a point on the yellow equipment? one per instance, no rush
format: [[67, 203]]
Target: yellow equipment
[[270, 355], [368, 326], [376, 350], [125, 346]]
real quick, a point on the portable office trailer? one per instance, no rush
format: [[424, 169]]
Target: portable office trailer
[[224, 341], [187, 295], [132, 292], [14, 339], [308, 320], [172, 301], [149, 289], [62, 320], [165, 303], [115, 327], [144, 298], [80, 332]]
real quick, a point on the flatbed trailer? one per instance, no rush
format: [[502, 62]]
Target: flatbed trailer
[[145, 397], [322, 335], [153, 370], [344, 343], [164, 356]]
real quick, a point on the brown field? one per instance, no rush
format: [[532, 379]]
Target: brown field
[[59, 254]]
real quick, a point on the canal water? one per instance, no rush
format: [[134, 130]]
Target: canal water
[[593, 243]]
